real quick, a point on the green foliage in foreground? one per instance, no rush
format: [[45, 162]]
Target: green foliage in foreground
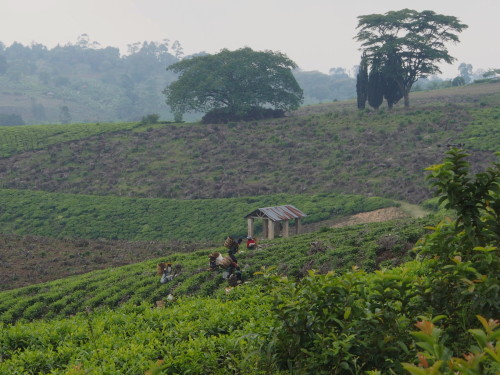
[[71, 215], [14, 139], [198, 336], [363, 246], [326, 324]]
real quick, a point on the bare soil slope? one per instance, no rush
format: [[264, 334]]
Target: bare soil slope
[[26, 260], [376, 216]]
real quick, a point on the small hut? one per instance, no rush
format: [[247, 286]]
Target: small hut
[[276, 220]]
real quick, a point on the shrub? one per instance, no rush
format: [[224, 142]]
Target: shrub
[[225, 115], [465, 266], [150, 119], [335, 324]]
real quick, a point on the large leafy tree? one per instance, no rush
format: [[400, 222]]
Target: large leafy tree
[[234, 80], [416, 38]]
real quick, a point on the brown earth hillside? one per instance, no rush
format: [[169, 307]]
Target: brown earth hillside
[[384, 214], [26, 260], [331, 147]]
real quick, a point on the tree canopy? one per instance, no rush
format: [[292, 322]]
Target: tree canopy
[[415, 39], [236, 81]]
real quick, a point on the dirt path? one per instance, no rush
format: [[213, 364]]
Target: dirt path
[[383, 214], [413, 210]]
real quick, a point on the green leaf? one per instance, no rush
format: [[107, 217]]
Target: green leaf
[[347, 313]]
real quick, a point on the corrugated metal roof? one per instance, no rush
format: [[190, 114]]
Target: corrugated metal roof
[[278, 213]]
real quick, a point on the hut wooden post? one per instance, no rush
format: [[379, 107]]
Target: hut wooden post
[[270, 231], [250, 226], [298, 226], [285, 228], [265, 227]]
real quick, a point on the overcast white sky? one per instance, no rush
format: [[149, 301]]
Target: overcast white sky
[[316, 34]]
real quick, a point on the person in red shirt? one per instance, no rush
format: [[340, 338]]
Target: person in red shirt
[[251, 244]]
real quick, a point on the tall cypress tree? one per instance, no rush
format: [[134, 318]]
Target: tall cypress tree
[[375, 86], [362, 83], [393, 85], [418, 38], [392, 92]]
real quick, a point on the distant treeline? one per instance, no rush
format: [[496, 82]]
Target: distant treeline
[[82, 82]]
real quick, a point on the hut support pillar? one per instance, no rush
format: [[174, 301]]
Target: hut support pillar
[[285, 228], [250, 226], [270, 231], [298, 226]]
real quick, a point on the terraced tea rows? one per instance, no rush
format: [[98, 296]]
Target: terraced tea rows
[[366, 246]]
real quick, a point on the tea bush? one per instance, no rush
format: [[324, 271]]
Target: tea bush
[[86, 216], [138, 283], [14, 139], [345, 322], [358, 322]]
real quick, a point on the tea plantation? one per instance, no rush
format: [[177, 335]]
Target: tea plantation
[[406, 296], [366, 246]]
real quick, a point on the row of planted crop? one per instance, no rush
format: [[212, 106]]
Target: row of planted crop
[[201, 334], [333, 249], [22, 138], [74, 215], [14, 139], [112, 287], [322, 324]]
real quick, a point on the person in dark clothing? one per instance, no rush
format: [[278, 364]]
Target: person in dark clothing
[[229, 266], [234, 248]]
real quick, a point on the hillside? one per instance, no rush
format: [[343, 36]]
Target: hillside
[[67, 234], [343, 300], [122, 320], [318, 149], [30, 259], [142, 219], [365, 245]]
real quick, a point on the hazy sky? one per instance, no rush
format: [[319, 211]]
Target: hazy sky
[[316, 34]]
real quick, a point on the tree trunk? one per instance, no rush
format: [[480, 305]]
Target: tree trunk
[[407, 98]]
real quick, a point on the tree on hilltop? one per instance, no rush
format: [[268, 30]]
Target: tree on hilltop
[[415, 39], [375, 88], [362, 83], [234, 83]]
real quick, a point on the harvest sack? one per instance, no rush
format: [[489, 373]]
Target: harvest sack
[[229, 242]]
